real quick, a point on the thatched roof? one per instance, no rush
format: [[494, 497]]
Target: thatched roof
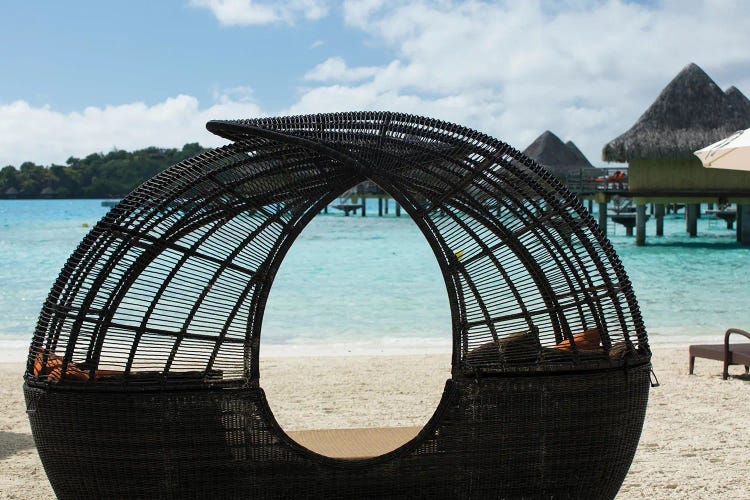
[[740, 104], [690, 113], [47, 191], [11, 191], [557, 156], [581, 157]]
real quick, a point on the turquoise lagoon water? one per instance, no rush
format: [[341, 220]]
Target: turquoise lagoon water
[[372, 282]]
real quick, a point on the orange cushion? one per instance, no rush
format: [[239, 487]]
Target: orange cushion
[[588, 339], [53, 368]]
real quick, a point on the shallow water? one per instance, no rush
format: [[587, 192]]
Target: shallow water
[[353, 281]]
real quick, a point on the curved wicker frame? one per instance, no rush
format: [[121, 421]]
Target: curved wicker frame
[[143, 375]]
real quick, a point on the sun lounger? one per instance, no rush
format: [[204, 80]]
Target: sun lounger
[[730, 354]]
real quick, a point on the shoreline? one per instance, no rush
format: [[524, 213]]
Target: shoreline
[[14, 350], [693, 443]]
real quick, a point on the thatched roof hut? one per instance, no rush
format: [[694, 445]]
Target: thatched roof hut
[[560, 158], [11, 192], [581, 157], [47, 192], [740, 104], [690, 113]]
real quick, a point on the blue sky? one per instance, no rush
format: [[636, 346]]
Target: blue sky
[[93, 53], [84, 76]]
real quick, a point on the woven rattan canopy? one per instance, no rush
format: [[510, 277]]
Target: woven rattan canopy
[[171, 285], [143, 378]]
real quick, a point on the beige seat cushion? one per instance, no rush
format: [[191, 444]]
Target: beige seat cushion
[[354, 443]]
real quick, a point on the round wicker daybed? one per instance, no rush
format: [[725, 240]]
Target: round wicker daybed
[[143, 379]]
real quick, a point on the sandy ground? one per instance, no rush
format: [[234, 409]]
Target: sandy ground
[[695, 442]]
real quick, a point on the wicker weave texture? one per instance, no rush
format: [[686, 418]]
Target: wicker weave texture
[[175, 279], [143, 377], [559, 436]]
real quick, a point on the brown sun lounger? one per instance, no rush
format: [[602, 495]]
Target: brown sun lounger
[[730, 354]]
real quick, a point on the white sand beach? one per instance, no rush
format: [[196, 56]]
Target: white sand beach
[[694, 443]]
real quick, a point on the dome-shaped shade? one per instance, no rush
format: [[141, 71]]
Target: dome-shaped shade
[[171, 286]]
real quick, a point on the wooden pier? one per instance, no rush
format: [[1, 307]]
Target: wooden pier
[[591, 191], [356, 199], [728, 215], [350, 207]]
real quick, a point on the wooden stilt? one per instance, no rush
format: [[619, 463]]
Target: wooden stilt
[[603, 217], [738, 229], [659, 212], [743, 224], [691, 216], [640, 225]]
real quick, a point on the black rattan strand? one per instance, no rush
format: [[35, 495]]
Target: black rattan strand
[[155, 321]]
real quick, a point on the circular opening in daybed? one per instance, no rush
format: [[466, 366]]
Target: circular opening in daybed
[[355, 349]]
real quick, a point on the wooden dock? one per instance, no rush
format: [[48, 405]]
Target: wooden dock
[[356, 199], [728, 215], [350, 207]]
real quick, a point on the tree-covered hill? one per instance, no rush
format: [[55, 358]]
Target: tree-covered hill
[[110, 175]]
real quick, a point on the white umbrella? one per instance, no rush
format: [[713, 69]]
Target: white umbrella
[[732, 153]]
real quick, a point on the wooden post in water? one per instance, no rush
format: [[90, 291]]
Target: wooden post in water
[[659, 213], [691, 215], [590, 207], [640, 225], [398, 209], [325, 209], [743, 224], [364, 206], [380, 206], [387, 202], [603, 217], [738, 229]]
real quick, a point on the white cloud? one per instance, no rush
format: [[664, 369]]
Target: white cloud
[[358, 12], [251, 12], [241, 94], [335, 69], [44, 136], [585, 69]]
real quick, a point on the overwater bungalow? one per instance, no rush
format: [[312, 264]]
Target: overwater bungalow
[[690, 113], [578, 153], [562, 159], [11, 192], [739, 102]]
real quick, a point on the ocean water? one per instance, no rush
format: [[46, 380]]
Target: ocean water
[[371, 283]]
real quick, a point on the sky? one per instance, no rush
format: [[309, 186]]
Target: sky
[[85, 76]]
